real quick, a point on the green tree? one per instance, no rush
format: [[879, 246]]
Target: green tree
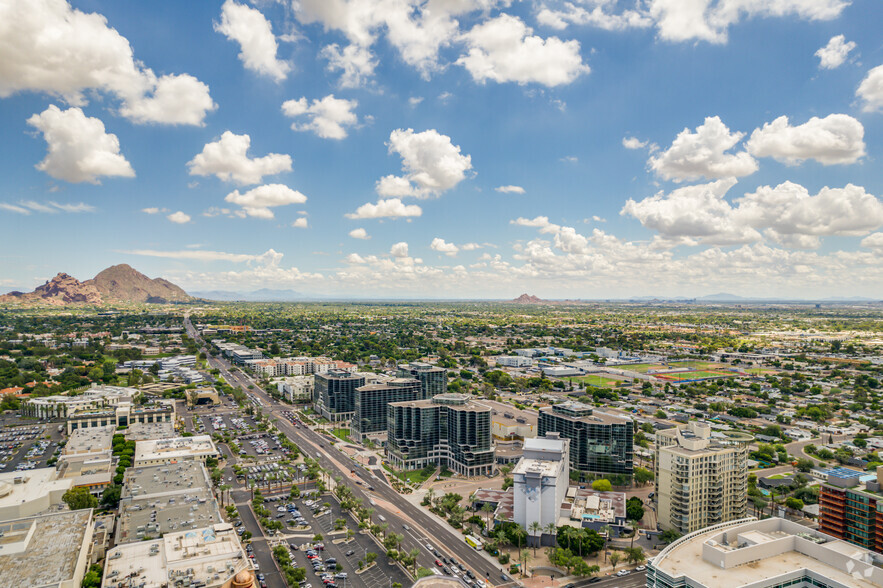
[[79, 498], [92, 579], [634, 555], [602, 485], [615, 558], [110, 497], [643, 476], [370, 557]]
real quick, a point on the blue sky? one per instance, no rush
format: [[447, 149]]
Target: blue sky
[[446, 148]]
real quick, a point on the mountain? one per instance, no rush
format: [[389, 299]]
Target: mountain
[[118, 283], [527, 299], [261, 295]]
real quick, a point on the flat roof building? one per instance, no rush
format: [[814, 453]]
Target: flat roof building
[[433, 379], [701, 480], [852, 510], [96, 442], [211, 557], [167, 451], [451, 430], [540, 481], [148, 431], [371, 403], [46, 551], [64, 405], [763, 554], [334, 394], [24, 494], [600, 443], [161, 499]]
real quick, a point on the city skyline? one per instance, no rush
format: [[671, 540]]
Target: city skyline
[[446, 148]]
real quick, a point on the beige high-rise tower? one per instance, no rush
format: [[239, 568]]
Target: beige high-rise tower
[[700, 480]]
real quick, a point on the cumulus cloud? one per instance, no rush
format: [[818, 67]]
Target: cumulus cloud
[[431, 162], [703, 153], [835, 139], [26, 207], [786, 214], [257, 202], [504, 49], [327, 118], [386, 208], [248, 27], [154, 210], [227, 158], [440, 245], [510, 189], [399, 249], [50, 47], [834, 54], [79, 149], [570, 13], [873, 241], [356, 63], [359, 233], [633, 143], [179, 218], [301, 223], [870, 91]]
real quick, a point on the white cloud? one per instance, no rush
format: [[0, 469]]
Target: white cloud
[[449, 249], [873, 241], [709, 20], [227, 158], [248, 27], [199, 255], [26, 207], [540, 222], [49, 47], [470, 246], [356, 62], [359, 233], [570, 159], [786, 214], [871, 90], [570, 13], [693, 155], [835, 139], [633, 143], [179, 218], [79, 149], [834, 54], [510, 189], [301, 223], [503, 49], [328, 117], [413, 101], [388, 208], [154, 210], [257, 202], [431, 162], [399, 249]]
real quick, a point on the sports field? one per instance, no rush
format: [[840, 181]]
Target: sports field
[[641, 368], [599, 381], [697, 375]]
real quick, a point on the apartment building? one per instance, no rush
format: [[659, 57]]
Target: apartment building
[[433, 379], [451, 430], [600, 443], [700, 480], [370, 406], [852, 510], [334, 394]]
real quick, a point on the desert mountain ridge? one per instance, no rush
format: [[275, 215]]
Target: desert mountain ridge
[[118, 283]]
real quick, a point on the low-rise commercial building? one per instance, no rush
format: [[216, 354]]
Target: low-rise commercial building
[[600, 443], [515, 361], [93, 442], [174, 450], [451, 430], [700, 480], [46, 551], [66, 405], [210, 557], [509, 423], [24, 494], [122, 415], [772, 553], [540, 482]]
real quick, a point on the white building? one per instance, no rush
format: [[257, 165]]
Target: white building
[[541, 479], [166, 451], [63, 405], [516, 361]]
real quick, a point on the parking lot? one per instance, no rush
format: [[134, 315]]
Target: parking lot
[[25, 447], [347, 555]]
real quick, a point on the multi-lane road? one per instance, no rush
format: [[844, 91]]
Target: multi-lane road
[[419, 528]]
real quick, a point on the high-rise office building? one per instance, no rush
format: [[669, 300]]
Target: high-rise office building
[[700, 480], [451, 430], [852, 510], [600, 443], [334, 394], [370, 406], [433, 379]]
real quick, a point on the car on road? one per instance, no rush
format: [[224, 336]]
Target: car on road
[[504, 577], [640, 568], [438, 562], [622, 573], [593, 580], [571, 585]]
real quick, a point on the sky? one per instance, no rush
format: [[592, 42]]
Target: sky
[[446, 148]]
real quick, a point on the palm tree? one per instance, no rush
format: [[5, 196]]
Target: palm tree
[[520, 533], [605, 530], [487, 509], [635, 525], [525, 557], [552, 530], [567, 534], [535, 529]]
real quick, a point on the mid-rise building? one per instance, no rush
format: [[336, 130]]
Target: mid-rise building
[[772, 553], [600, 443], [450, 430], [65, 405], [334, 394], [433, 379], [852, 510], [371, 400], [515, 361], [540, 482], [701, 480]]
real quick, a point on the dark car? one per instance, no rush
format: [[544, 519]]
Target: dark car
[[504, 577], [570, 586], [593, 580]]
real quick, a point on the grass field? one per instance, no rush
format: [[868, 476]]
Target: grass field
[[697, 364], [600, 381], [641, 368], [759, 371], [342, 434], [412, 476], [697, 375]]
